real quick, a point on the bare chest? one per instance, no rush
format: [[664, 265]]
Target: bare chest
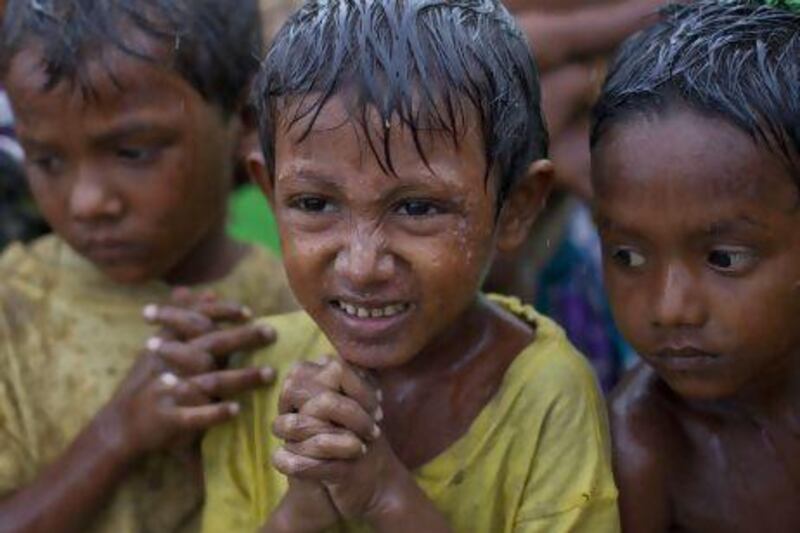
[[743, 480]]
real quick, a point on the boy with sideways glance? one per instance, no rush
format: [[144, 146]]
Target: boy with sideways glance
[[403, 145], [130, 116], [696, 155]]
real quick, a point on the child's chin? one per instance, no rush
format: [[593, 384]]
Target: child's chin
[[699, 389], [126, 275], [374, 356]]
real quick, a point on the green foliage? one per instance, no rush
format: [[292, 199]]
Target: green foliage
[[791, 5]]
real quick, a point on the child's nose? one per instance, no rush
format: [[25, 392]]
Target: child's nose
[[364, 260], [678, 301], [92, 198]]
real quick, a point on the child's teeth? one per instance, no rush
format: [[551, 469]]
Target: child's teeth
[[363, 312]]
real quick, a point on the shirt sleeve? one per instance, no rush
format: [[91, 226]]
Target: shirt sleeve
[[570, 486]]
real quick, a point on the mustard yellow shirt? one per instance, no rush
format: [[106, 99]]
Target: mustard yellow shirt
[[535, 459], [68, 336]]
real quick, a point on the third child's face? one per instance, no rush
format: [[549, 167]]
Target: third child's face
[[383, 263], [701, 251]]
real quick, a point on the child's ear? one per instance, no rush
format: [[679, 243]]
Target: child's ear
[[257, 170], [524, 203], [248, 133]]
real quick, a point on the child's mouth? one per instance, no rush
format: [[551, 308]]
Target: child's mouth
[[370, 322], [380, 311]]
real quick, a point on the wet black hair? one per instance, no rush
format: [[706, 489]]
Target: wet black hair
[[214, 45], [436, 65], [738, 60]]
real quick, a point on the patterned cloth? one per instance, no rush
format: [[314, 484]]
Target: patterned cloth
[[571, 292]]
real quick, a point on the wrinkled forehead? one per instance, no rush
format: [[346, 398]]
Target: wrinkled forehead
[[337, 143], [404, 137]]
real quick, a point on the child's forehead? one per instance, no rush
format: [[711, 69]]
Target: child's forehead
[[108, 80], [682, 153], [364, 139]]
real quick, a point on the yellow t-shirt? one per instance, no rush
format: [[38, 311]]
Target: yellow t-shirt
[[535, 459], [68, 336]]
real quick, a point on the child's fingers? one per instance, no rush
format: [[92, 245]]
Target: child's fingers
[[299, 387], [185, 393], [182, 296], [182, 357], [232, 382], [337, 409], [338, 375], [225, 342], [329, 446], [186, 323], [175, 392], [295, 427], [294, 465], [204, 416], [219, 311]]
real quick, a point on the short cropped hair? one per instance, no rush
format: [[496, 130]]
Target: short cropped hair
[[215, 45], [433, 64], [738, 60]]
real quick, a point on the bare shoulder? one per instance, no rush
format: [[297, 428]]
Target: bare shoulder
[[643, 407], [648, 442]]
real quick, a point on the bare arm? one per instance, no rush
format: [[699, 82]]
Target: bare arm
[[563, 37]]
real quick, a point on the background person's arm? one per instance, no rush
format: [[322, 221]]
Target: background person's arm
[[560, 37]]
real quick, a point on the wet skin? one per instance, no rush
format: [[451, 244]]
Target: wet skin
[[135, 178], [702, 258], [415, 245]]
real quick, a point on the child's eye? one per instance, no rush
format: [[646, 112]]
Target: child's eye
[[312, 204], [418, 208], [731, 260], [136, 155], [628, 257], [49, 164]]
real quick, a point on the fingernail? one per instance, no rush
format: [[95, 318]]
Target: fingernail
[[363, 449], [150, 312], [267, 332], [376, 431], [267, 374], [323, 360], [379, 396], [154, 344], [168, 379], [247, 313], [233, 409], [378, 414]]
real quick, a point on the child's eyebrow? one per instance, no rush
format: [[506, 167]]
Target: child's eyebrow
[[36, 145], [133, 129], [725, 227]]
